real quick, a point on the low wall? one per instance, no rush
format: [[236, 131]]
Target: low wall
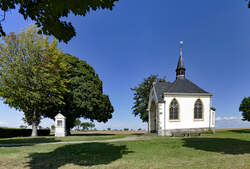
[[184, 131]]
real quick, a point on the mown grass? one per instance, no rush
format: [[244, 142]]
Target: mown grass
[[225, 149], [50, 139]]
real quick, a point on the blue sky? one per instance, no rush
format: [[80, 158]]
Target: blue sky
[[139, 38]]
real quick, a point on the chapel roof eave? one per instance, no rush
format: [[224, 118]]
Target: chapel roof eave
[[188, 94], [213, 108]]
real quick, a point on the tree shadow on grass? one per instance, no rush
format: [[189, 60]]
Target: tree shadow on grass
[[86, 154], [241, 131], [91, 134], [139, 134], [219, 145], [29, 140]]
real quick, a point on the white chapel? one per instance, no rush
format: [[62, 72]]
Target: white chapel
[[180, 106]]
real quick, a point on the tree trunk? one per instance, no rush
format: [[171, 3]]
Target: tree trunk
[[148, 128], [68, 132], [34, 129]]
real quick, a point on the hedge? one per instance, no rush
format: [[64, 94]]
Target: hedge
[[15, 132]]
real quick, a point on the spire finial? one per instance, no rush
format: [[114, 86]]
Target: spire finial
[[181, 45]]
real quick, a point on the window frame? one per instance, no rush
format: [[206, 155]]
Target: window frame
[[202, 110], [178, 111], [59, 122]]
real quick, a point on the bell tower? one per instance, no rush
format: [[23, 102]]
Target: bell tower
[[180, 70]]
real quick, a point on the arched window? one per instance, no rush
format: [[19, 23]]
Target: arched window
[[198, 109], [174, 110]]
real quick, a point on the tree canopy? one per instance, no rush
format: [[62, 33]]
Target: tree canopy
[[141, 96], [77, 123], [31, 72], [87, 125], [39, 80], [49, 14], [245, 108], [85, 97], [83, 125]]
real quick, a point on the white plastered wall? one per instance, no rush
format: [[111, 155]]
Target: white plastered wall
[[186, 112], [161, 114]]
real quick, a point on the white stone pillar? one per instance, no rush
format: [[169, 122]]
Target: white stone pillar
[[60, 125]]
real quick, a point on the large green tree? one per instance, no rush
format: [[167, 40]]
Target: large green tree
[[50, 14], [141, 96], [31, 72], [245, 108], [85, 97], [87, 125], [77, 124]]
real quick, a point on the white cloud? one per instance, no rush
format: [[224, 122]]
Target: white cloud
[[232, 118], [227, 118], [218, 118], [3, 123], [231, 122]]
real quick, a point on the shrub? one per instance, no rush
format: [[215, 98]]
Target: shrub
[[209, 131], [22, 126], [15, 132]]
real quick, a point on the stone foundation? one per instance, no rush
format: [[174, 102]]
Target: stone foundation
[[184, 131]]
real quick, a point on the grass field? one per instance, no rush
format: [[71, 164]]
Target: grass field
[[225, 149], [84, 136]]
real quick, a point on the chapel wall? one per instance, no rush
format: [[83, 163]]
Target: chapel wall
[[186, 112]]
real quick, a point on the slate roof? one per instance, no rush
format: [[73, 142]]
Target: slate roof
[[160, 88], [181, 86], [184, 86]]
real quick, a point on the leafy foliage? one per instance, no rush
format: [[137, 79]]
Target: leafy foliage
[[77, 124], [85, 97], [30, 74], [52, 127], [245, 108], [23, 127], [141, 96], [87, 125], [48, 14]]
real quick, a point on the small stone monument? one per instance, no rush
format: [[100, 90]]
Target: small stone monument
[[60, 126]]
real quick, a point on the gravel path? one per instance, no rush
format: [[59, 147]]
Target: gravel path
[[129, 138]]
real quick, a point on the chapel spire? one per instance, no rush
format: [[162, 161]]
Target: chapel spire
[[180, 70]]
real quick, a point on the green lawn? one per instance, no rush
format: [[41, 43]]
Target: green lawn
[[49, 139], [225, 149]]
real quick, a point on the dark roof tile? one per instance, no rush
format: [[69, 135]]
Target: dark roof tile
[[160, 88], [184, 86], [178, 86]]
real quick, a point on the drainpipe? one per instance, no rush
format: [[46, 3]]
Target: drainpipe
[[210, 114]]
